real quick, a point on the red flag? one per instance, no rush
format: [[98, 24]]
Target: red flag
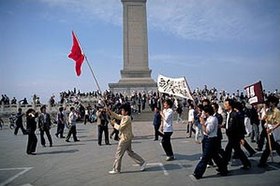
[[76, 54]]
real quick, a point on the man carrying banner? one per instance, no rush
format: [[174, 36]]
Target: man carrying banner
[[272, 119]]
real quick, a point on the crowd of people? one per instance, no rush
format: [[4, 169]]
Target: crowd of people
[[209, 113], [234, 115]]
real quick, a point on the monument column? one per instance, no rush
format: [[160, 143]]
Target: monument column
[[136, 75]]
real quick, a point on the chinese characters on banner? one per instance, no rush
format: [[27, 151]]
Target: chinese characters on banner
[[174, 86], [254, 93]]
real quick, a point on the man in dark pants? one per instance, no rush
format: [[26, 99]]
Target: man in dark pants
[[102, 122], [209, 144], [45, 126], [156, 122], [19, 124], [235, 133], [31, 128], [167, 129], [219, 117], [72, 118], [272, 118], [60, 123]]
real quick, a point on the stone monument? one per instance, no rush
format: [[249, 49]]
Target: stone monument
[[136, 75]]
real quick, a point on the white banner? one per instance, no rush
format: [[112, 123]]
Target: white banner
[[174, 86]]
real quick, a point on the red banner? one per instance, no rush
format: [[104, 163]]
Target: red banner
[[254, 93], [76, 54]]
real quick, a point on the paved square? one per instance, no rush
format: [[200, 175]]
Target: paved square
[[86, 163]]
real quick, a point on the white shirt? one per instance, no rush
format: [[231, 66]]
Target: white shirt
[[211, 126], [191, 115], [72, 118], [168, 120], [228, 114]]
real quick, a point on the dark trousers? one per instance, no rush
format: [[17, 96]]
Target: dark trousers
[[166, 144], [42, 132], [190, 128], [31, 143], [101, 129], [19, 126], [156, 128], [86, 119], [210, 151], [255, 132], [73, 131], [60, 129], [248, 147], [116, 133], [266, 152], [220, 150], [262, 138], [235, 144]]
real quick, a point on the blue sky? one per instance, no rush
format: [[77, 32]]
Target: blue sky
[[225, 44]]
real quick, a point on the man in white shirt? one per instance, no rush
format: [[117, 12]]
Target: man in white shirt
[[73, 116], [167, 128], [209, 143]]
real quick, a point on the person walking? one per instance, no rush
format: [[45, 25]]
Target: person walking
[[102, 123], [235, 133], [219, 117], [255, 124], [45, 126], [60, 123], [272, 119], [19, 122], [31, 126], [210, 148], [87, 114], [156, 123], [198, 127], [73, 116], [263, 134], [179, 111], [126, 136], [167, 129], [191, 115]]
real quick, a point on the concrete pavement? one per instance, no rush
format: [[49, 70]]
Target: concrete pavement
[[86, 163]]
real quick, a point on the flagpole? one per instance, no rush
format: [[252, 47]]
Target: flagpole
[[92, 73]]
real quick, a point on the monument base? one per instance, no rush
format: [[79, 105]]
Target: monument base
[[128, 86]]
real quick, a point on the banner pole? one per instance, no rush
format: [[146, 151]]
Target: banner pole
[[270, 147], [92, 73]]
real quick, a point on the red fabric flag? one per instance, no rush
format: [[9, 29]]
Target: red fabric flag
[[76, 54]]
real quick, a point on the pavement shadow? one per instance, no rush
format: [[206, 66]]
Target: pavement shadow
[[272, 166], [174, 166], [176, 138], [68, 144], [143, 137], [58, 152], [192, 157], [85, 140], [83, 136], [158, 168]]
